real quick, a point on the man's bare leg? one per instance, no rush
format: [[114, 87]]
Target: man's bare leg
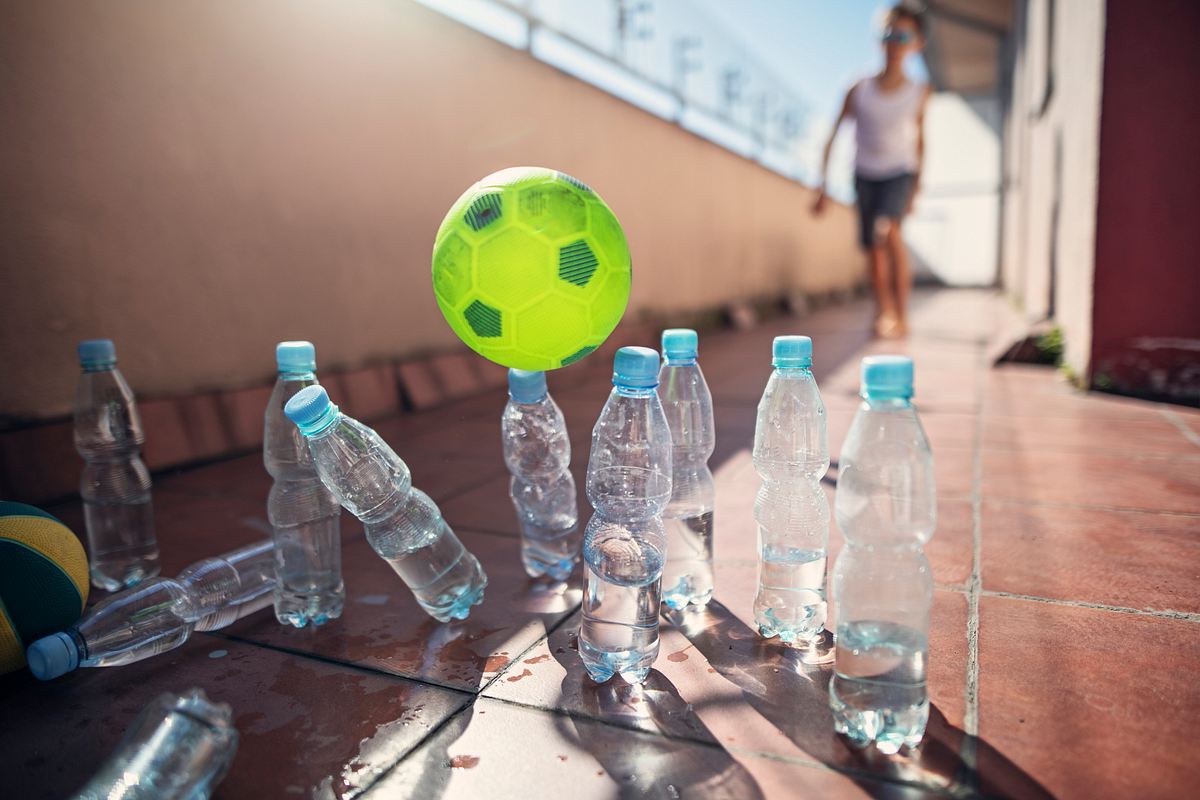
[[882, 282], [901, 274]]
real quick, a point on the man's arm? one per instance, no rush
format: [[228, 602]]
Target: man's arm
[[819, 205], [912, 198]]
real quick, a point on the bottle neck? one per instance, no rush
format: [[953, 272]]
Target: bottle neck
[[680, 361], [323, 426], [92, 369], [541, 401], [886, 403], [794, 373], [289, 377], [635, 391]]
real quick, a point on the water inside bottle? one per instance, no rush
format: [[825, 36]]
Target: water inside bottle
[[687, 572], [878, 692], [790, 602]]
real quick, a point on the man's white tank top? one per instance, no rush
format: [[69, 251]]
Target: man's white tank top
[[886, 128]]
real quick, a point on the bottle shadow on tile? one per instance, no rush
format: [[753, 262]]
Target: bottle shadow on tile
[[671, 754], [789, 687]]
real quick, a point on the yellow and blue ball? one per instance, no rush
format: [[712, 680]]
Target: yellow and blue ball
[[43, 579]]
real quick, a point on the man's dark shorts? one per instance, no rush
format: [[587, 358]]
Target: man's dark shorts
[[880, 200]]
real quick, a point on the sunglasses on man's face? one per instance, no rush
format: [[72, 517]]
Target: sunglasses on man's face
[[898, 37]]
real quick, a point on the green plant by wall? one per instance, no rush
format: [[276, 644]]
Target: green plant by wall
[[1050, 346]]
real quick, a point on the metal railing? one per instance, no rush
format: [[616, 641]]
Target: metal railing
[[665, 56]]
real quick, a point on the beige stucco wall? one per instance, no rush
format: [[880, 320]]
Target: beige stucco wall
[[198, 180], [1057, 145]]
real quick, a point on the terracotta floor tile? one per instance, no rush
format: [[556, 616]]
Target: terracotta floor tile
[[190, 527], [439, 469], [1081, 433], [383, 628], [1024, 391], [244, 476], [1091, 479], [304, 726], [487, 508], [495, 749], [727, 685], [1121, 558], [1090, 703], [476, 437]]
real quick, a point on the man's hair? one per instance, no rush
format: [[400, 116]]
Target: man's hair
[[910, 12]]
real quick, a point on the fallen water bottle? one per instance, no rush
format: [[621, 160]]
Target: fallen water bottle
[[115, 485], [886, 507], [688, 518], [402, 524], [305, 516], [538, 454], [791, 456], [178, 748], [160, 614], [629, 485]]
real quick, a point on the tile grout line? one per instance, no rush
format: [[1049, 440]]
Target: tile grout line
[[543, 638], [1161, 613], [1023, 501], [1183, 427], [333, 661], [1183, 616], [974, 582], [468, 706], [433, 731]]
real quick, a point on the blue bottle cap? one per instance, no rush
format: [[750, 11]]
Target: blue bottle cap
[[679, 344], [887, 377], [97, 353], [526, 386], [635, 368], [52, 656], [296, 357], [311, 410], [791, 352]]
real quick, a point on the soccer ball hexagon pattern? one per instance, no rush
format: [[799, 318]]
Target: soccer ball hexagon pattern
[[531, 268]]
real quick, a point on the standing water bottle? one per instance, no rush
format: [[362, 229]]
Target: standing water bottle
[[179, 748], [304, 516], [402, 524], [791, 455], [882, 585], [115, 486], [688, 518], [160, 614], [629, 484], [538, 454]]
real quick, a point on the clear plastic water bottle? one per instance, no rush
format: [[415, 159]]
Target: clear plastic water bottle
[[688, 518], [791, 455], [179, 748], [115, 486], [629, 485], [538, 454], [160, 614], [882, 585], [402, 524], [305, 516]]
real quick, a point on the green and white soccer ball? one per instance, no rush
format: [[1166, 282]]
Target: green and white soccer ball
[[531, 268]]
